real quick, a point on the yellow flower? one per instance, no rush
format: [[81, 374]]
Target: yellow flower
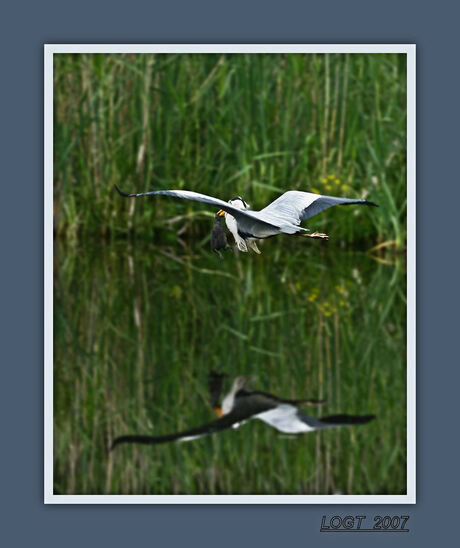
[[176, 292], [337, 181], [324, 180], [331, 176]]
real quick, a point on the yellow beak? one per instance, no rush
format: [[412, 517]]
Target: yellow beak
[[218, 411], [220, 213]]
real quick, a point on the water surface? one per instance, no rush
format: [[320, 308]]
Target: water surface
[[139, 326]]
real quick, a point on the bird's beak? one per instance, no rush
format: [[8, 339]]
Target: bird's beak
[[218, 411], [220, 213]]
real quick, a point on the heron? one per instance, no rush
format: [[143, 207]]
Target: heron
[[282, 216], [241, 405]]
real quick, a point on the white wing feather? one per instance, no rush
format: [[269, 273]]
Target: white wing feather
[[295, 206], [285, 419], [249, 220]]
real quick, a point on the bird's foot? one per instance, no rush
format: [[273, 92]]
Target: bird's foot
[[241, 244], [254, 247], [313, 402], [319, 235]]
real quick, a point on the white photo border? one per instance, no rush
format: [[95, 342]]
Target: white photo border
[[49, 496]]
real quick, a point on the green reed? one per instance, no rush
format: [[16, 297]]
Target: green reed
[[254, 125], [144, 310], [138, 328]]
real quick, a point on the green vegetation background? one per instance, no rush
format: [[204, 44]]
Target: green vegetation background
[[143, 309], [254, 125]]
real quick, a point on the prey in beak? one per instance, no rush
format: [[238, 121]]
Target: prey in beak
[[216, 383], [218, 236]]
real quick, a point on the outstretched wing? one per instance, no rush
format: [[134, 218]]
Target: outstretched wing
[[246, 217], [333, 421], [218, 425], [243, 410], [295, 206]]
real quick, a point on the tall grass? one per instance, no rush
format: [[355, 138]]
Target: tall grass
[[144, 310], [137, 332], [254, 125]]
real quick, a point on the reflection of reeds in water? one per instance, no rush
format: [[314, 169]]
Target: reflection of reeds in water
[[138, 328]]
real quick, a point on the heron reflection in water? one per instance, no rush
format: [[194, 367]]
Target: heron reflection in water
[[241, 405]]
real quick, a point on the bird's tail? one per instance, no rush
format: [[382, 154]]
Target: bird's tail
[[292, 229]]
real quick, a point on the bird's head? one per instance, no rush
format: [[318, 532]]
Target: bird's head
[[239, 383], [227, 403], [236, 202]]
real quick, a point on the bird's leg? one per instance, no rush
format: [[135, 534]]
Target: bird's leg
[[319, 235], [232, 226], [252, 244], [311, 402], [241, 244]]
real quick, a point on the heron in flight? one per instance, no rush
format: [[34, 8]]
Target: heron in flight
[[242, 404], [282, 216]]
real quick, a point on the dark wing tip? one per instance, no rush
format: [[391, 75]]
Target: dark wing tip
[[132, 439], [364, 419], [360, 202], [115, 442], [347, 419], [123, 193]]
